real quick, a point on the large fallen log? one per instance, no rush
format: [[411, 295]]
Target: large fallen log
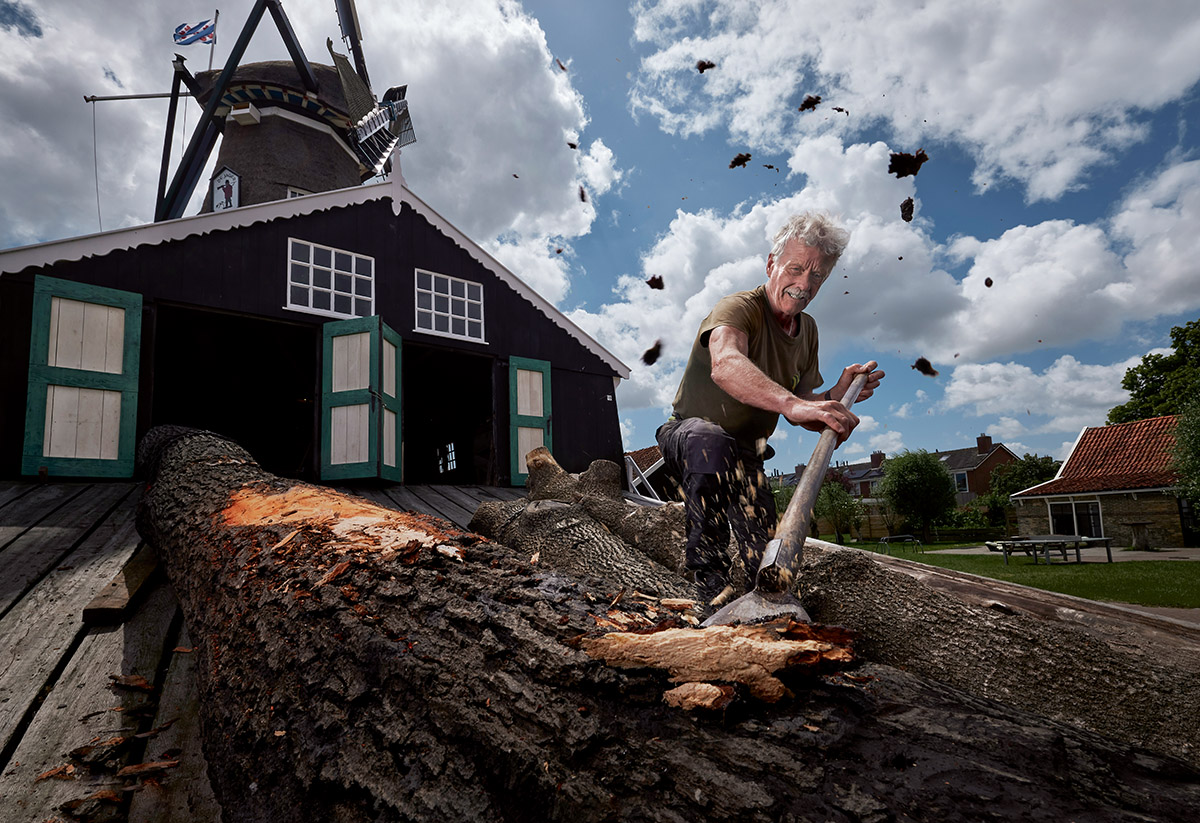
[[361, 664]]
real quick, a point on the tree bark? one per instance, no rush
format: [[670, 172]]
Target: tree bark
[[361, 664]]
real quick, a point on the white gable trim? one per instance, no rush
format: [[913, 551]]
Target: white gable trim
[[97, 245]]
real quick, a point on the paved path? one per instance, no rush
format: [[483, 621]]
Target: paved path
[[1096, 555]]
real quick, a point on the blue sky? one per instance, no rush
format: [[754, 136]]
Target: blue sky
[[1063, 165]]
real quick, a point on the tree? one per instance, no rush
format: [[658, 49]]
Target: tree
[[1012, 478], [918, 486], [1163, 383], [1187, 451], [370, 664], [835, 505]]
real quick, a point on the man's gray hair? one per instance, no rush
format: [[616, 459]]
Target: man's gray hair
[[815, 229]]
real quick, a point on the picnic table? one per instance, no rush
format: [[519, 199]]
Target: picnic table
[[1033, 544], [888, 540]]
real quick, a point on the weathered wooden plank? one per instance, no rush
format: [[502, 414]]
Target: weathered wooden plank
[[443, 506], [41, 547], [28, 510], [186, 796], [115, 601], [10, 490], [409, 501], [505, 492], [468, 503], [77, 711], [476, 493], [42, 627], [374, 495]]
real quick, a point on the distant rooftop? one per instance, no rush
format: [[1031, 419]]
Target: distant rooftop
[[1128, 456]]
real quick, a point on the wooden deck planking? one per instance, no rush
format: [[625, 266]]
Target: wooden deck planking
[[44, 624], [10, 490], [29, 509], [444, 506], [404, 499], [41, 547], [186, 796], [468, 503], [76, 712]]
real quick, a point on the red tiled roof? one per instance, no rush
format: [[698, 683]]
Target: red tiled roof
[[645, 458], [1133, 455]]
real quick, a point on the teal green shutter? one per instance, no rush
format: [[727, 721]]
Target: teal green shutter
[[528, 412], [360, 405], [391, 460], [81, 409]]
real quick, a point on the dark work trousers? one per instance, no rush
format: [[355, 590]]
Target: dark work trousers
[[724, 486]]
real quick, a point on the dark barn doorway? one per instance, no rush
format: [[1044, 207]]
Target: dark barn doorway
[[247, 378], [448, 416]]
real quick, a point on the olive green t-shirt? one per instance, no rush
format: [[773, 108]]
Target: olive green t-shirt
[[789, 361]]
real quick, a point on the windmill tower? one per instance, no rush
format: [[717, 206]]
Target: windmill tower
[[288, 127]]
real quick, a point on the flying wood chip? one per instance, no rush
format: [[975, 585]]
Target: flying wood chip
[[924, 367], [560, 64], [655, 281], [811, 101], [558, 251], [650, 356], [769, 166], [988, 282], [842, 110], [582, 195], [704, 65], [740, 161], [903, 164], [572, 145], [906, 210]]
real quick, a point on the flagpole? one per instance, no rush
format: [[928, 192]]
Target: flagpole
[[213, 46]]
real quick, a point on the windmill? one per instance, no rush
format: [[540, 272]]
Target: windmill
[[288, 127]]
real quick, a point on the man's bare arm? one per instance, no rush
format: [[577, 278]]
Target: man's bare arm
[[736, 374]]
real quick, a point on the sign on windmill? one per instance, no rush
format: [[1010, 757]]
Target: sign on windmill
[[226, 189]]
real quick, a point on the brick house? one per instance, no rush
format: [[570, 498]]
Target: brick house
[[1117, 481], [971, 468]]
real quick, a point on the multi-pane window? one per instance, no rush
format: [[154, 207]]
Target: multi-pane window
[[960, 481], [446, 461], [449, 306], [325, 280]]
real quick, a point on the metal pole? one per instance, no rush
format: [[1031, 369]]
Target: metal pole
[[92, 98], [213, 45]]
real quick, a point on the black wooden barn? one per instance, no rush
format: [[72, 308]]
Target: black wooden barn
[[350, 333]]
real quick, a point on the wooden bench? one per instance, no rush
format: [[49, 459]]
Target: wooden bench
[[902, 539]]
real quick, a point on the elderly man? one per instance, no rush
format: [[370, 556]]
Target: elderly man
[[754, 358]]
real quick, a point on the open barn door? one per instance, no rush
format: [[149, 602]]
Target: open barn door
[[81, 411], [529, 412], [360, 400]]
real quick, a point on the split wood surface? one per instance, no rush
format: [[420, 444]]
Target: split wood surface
[[357, 663]]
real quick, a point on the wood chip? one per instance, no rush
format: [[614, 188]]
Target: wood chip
[[739, 654], [145, 769], [333, 573], [692, 696]]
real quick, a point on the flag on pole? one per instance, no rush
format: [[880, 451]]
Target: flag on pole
[[203, 32]]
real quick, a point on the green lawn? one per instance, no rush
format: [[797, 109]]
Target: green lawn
[[1174, 583]]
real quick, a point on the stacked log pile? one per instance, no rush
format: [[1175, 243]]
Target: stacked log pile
[[362, 664]]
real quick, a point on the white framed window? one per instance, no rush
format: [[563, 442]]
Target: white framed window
[[292, 191], [449, 306], [446, 461], [328, 281]]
